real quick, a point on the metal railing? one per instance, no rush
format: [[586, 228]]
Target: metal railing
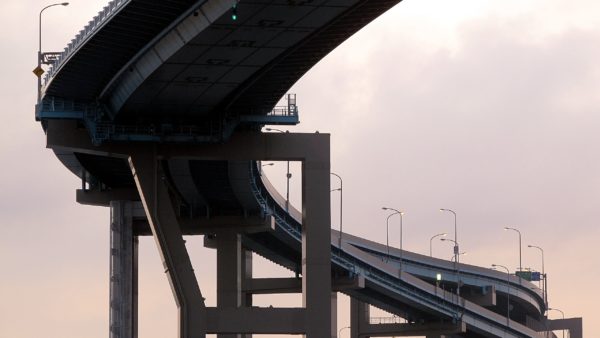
[[386, 320], [103, 131], [107, 12], [54, 104], [283, 111]]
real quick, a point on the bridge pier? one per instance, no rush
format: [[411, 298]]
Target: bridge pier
[[123, 281], [230, 259], [316, 319]]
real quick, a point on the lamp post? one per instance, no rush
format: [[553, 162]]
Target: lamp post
[[456, 266], [456, 250], [513, 229], [387, 233], [341, 205], [543, 285], [288, 175], [400, 213], [431, 242], [563, 317], [449, 240], [39, 64], [507, 293]]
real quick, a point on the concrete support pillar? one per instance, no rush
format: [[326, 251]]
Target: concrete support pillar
[[154, 193], [359, 318], [247, 275], [229, 273], [313, 150], [316, 247], [123, 272]]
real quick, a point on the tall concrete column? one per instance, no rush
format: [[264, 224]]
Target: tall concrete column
[[359, 318], [123, 271], [247, 275], [316, 246], [229, 273]]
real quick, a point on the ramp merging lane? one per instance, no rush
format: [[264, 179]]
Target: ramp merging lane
[[409, 294]]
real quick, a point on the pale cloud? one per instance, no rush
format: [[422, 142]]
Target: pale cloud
[[487, 107], [500, 124]]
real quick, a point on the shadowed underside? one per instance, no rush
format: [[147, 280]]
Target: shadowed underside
[[189, 61]]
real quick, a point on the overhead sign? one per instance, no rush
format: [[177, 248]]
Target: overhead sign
[[524, 274]]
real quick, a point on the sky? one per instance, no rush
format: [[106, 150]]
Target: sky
[[489, 108]]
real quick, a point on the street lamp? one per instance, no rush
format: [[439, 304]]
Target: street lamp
[[341, 205], [456, 266], [431, 242], [563, 317], [387, 233], [543, 285], [453, 241], [39, 69], [507, 293], [288, 174], [456, 250], [513, 229]]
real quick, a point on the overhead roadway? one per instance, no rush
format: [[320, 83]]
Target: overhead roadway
[[187, 73]]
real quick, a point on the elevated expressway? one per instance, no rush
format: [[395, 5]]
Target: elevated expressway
[[157, 78]]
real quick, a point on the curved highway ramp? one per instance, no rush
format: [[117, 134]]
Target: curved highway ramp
[[158, 107]]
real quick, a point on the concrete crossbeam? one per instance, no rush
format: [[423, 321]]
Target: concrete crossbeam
[[103, 198], [244, 146], [573, 325], [294, 285], [241, 224], [411, 330], [257, 320], [193, 226]]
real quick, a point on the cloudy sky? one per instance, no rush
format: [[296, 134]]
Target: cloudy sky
[[489, 108]]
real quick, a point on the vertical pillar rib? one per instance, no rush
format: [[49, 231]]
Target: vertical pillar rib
[[316, 246], [229, 273], [246, 275], [359, 318], [123, 272]]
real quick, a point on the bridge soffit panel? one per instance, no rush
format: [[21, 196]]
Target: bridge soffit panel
[[222, 61]]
